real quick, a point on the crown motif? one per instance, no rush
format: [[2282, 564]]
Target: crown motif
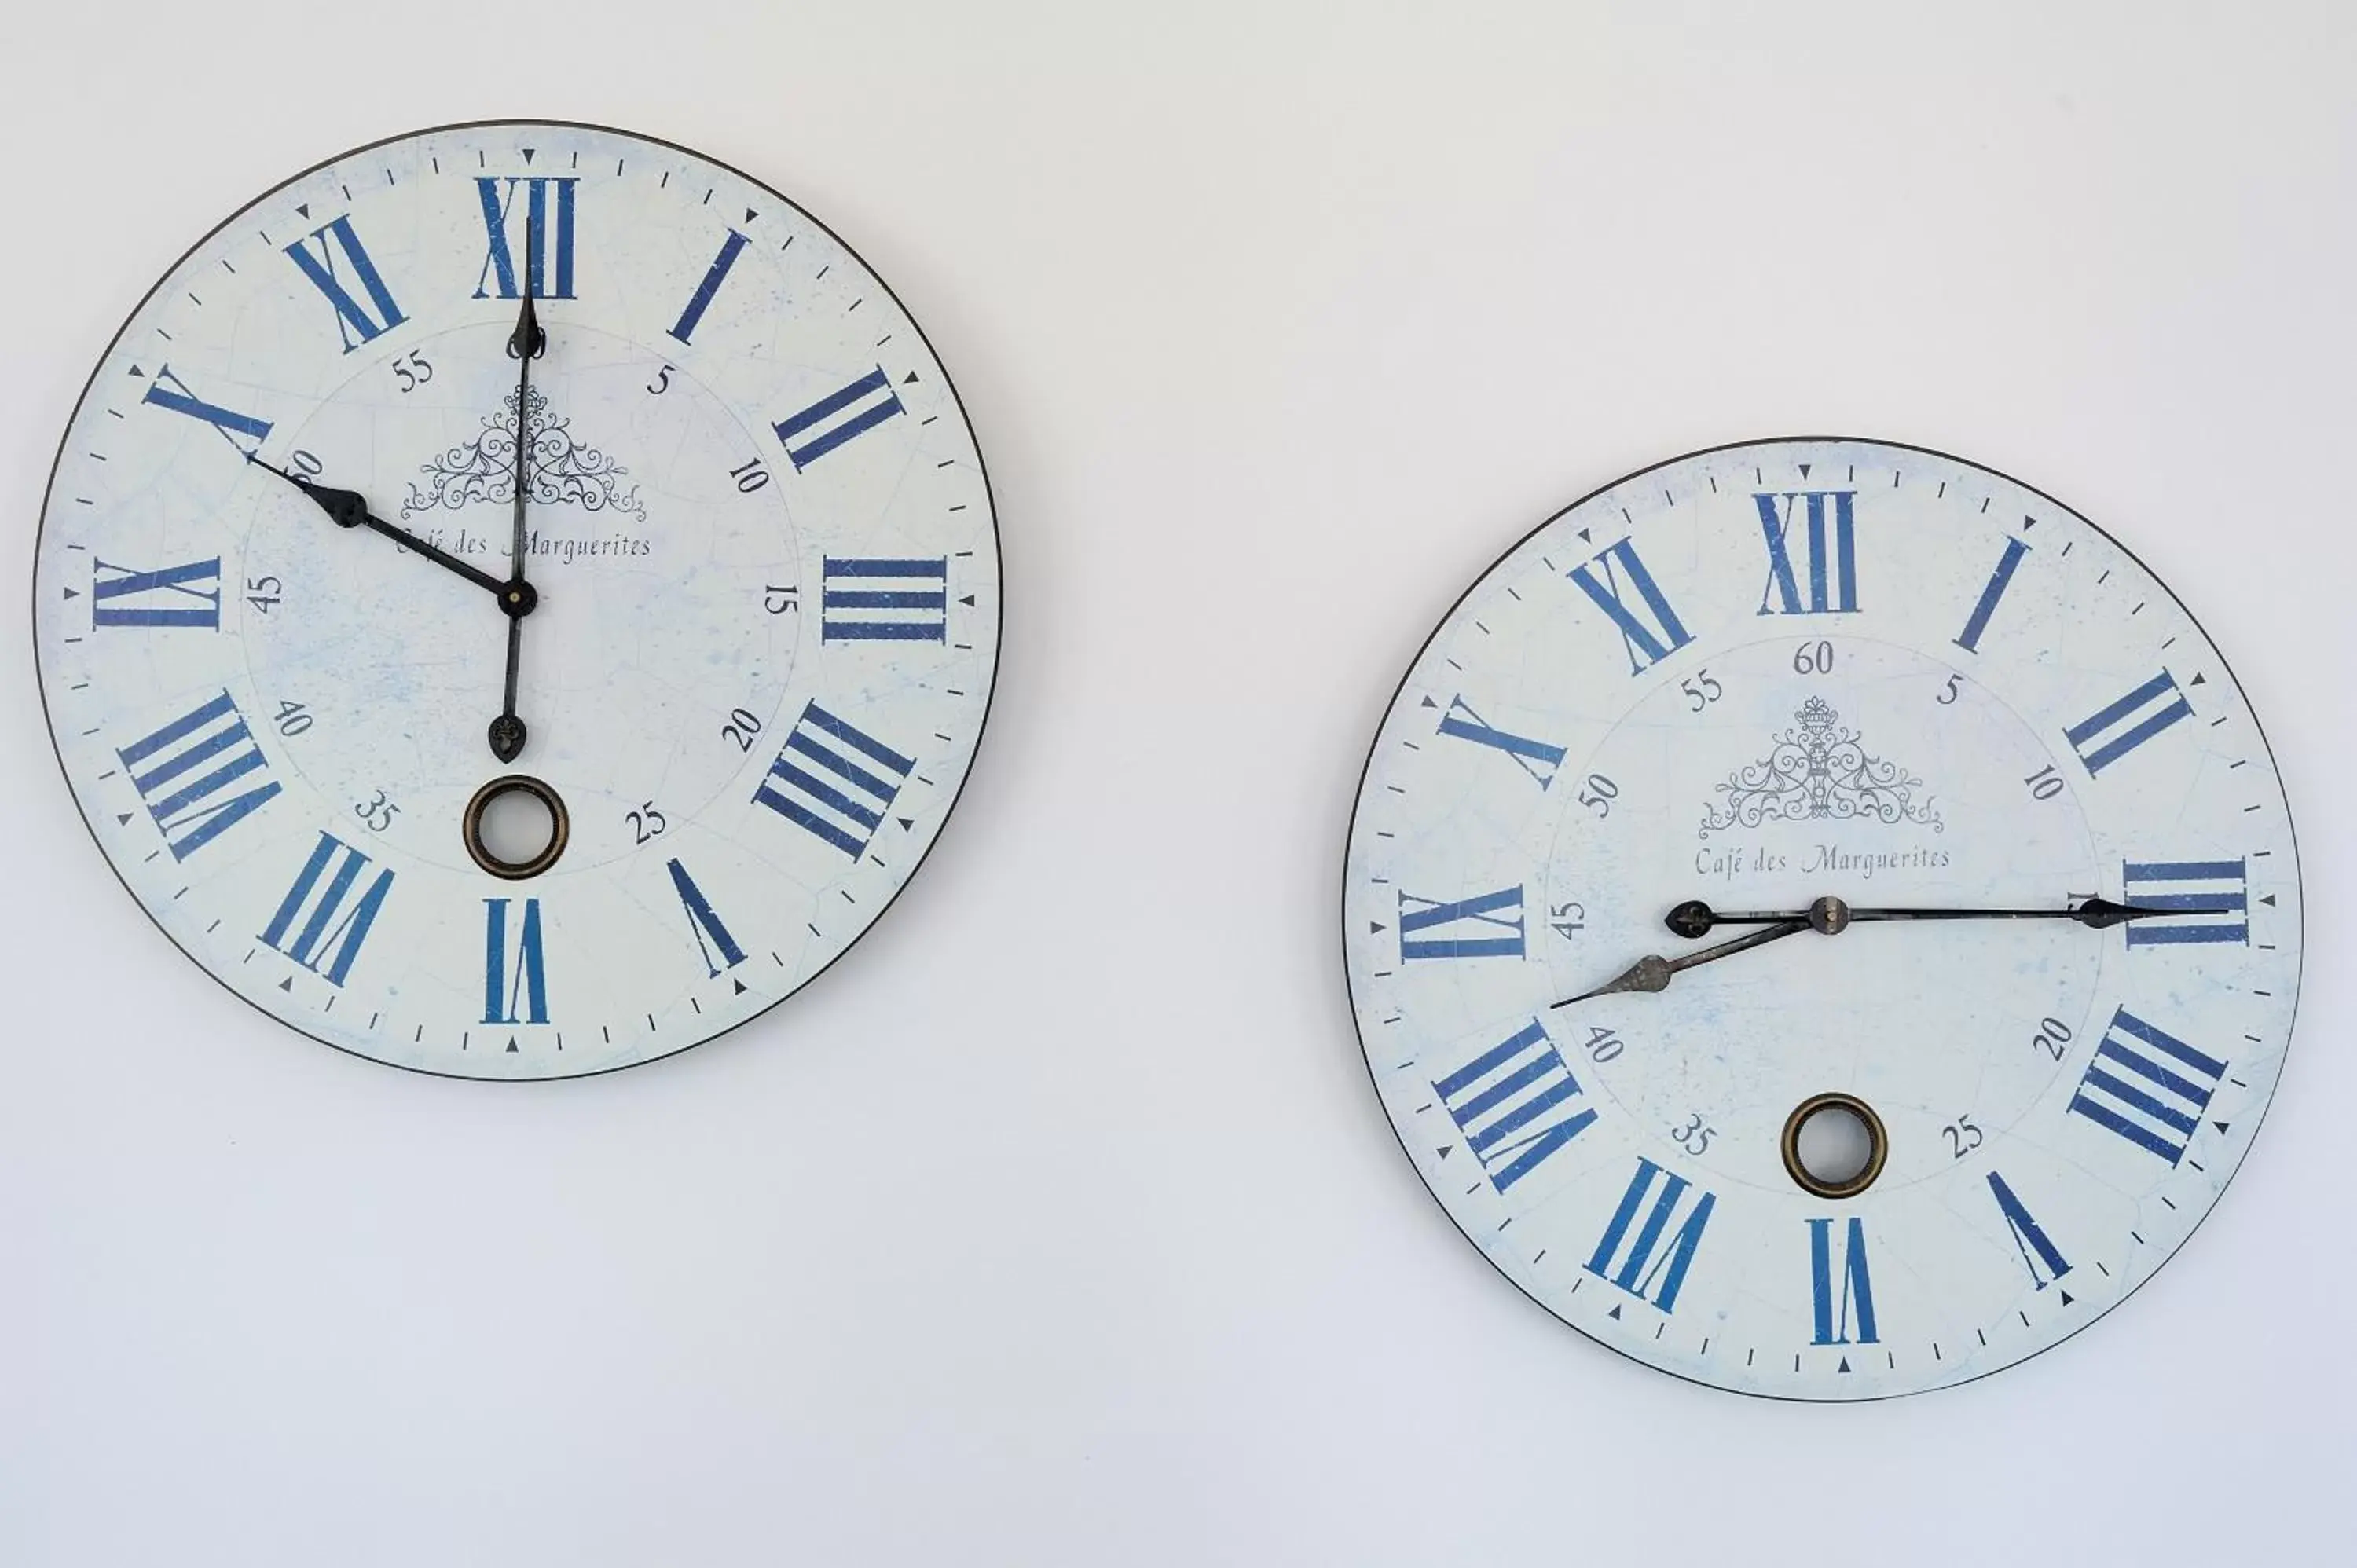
[[1818, 768], [559, 468]]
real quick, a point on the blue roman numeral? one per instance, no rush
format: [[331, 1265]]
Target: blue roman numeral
[[1646, 1270], [187, 594], [356, 323], [864, 599], [1535, 758], [2028, 1238], [194, 775], [1489, 926], [227, 423], [515, 991], [499, 258], [1648, 641], [838, 416], [818, 783], [1969, 639], [2212, 884], [2148, 1086], [1831, 546], [1835, 1317], [335, 929], [1509, 1103], [714, 276], [709, 932], [2112, 732]]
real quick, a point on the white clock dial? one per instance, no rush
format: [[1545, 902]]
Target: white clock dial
[[2050, 979], [759, 572]]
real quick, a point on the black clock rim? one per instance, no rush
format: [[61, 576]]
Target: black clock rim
[[998, 556], [1366, 1058]]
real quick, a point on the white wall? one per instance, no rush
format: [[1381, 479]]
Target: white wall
[[1057, 1224]]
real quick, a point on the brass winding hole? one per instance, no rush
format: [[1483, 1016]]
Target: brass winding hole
[[560, 826], [1843, 1172]]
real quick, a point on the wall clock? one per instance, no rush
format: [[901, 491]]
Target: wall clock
[[517, 600], [1822, 919]]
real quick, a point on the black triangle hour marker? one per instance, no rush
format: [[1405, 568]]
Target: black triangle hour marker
[[1845, 1360], [511, 1045], [1615, 1311], [304, 209], [967, 601], [740, 985], [906, 379], [121, 818], [2068, 1298], [2269, 900], [286, 984], [909, 823], [2220, 1126], [137, 372], [1430, 703], [1374, 927], [1804, 474], [1445, 1150], [750, 215], [2195, 682], [1583, 539], [527, 158], [2029, 522], [72, 594]]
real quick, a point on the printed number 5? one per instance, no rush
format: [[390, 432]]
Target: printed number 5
[[1701, 691]]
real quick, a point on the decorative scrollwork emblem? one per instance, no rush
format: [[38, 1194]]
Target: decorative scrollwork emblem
[[1818, 768], [559, 468]]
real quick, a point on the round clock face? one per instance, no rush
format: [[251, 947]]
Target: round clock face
[[499, 812], [1822, 919]]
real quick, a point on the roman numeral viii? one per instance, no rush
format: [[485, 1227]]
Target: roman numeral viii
[[1516, 1103], [200, 775]]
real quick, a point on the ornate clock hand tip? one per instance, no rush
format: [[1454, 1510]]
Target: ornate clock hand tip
[[1691, 918]]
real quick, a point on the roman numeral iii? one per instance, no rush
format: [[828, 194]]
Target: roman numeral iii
[[1510, 1103], [200, 775], [2218, 887], [865, 599], [1828, 547]]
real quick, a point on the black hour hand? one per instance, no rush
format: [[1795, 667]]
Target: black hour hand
[[349, 509]]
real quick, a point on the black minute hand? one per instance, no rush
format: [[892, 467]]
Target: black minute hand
[[517, 597], [1696, 919], [349, 509]]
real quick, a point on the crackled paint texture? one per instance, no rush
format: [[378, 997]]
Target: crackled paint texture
[[767, 573], [1761, 675]]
